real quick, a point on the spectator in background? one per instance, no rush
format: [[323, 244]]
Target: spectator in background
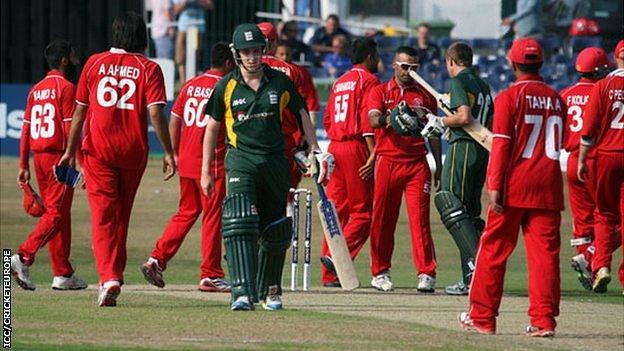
[[527, 21], [289, 35], [427, 51], [321, 42], [338, 61], [162, 32], [189, 12]]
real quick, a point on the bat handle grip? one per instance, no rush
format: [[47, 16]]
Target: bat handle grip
[[321, 190]]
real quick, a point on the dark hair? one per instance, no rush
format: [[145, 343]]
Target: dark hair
[[220, 53], [407, 50], [425, 24], [532, 68], [56, 51], [599, 74], [290, 25], [334, 17], [461, 53], [282, 43], [361, 49], [129, 32]]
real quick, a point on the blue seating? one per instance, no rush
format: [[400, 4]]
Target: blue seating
[[550, 44], [579, 43], [485, 43], [388, 44]]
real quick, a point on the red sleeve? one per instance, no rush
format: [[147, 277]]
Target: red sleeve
[[373, 100], [177, 110], [68, 105], [329, 111], [155, 86], [369, 85], [592, 112], [24, 151], [431, 103], [82, 92], [311, 97], [502, 144]]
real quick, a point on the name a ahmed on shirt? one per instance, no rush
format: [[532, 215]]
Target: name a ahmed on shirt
[[542, 103], [119, 71]]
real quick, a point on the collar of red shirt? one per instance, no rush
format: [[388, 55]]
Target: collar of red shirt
[[529, 76], [587, 80], [392, 84], [213, 73], [55, 72], [361, 67]]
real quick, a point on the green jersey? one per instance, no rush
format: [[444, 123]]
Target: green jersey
[[253, 119], [468, 89]]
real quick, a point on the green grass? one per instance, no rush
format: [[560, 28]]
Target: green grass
[[45, 320]]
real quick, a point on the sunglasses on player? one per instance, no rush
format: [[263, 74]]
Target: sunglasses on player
[[407, 66]]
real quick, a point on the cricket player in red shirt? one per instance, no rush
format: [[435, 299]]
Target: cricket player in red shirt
[[525, 188], [187, 126], [290, 128], [47, 118], [592, 64], [351, 143], [117, 90], [401, 167], [604, 129]]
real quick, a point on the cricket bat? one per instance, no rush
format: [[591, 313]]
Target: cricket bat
[[475, 129], [336, 242]]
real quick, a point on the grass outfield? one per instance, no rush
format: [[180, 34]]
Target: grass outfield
[[44, 319]]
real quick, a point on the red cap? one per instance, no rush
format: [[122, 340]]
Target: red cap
[[618, 53], [591, 59], [526, 51], [268, 30]]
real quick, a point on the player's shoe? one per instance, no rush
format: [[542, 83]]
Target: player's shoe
[[458, 288], [584, 274], [603, 278], [382, 282], [273, 301], [426, 283], [332, 284], [466, 322], [539, 332], [242, 303], [21, 273], [153, 273], [215, 285], [109, 291], [68, 283], [329, 264]]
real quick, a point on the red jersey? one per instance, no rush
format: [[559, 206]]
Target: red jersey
[[118, 87], [604, 113], [384, 98], [524, 162], [47, 116], [346, 115], [575, 97], [307, 90], [189, 107]]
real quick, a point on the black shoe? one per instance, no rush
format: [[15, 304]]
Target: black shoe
[[334, 284], [328, 263]]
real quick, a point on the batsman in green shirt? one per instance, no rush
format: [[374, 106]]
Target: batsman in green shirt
[[464, 169], [252, 101]]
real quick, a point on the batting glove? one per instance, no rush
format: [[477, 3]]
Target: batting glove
[[303, 163], [434, 127], [322, 163]]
